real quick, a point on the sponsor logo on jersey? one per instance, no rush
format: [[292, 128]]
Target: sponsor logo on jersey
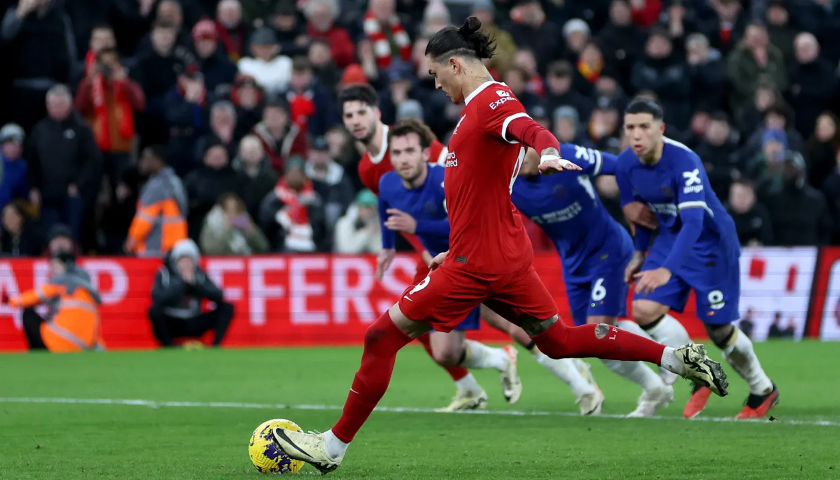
[[664, 209], [451, 160], [504, 97], [693, 184], [557, 216], [502, 93]]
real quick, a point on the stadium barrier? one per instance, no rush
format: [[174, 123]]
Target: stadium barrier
[[300, 300]]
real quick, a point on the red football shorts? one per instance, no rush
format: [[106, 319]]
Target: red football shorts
[[446, 295], [421, 271]]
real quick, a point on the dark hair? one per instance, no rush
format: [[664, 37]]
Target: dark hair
[[232, 196], [408, 126], [106, 51], [644, 105], [102, 26], [560, 68], [157, 151], [719, 116], [743, 181], [165, 25], [301, 64], [780, 108], [277, 103], [463, 41], [358, 93]]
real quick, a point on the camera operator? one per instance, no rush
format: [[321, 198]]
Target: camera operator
[[180, 286]]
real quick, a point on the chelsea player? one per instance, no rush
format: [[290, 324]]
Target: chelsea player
[[696, 248], [412, 199], [594, 250]]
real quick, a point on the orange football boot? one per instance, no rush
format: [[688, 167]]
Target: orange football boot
[[697, 402], [757, 406]]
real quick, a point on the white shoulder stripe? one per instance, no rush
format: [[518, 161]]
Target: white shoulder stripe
[[507, 122], [675, 143], [696, 204], [442, 158]]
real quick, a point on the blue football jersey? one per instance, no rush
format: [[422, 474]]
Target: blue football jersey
[[677, 182], [426, 203], [567, 207]]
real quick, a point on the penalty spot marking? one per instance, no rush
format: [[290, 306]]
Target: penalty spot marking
[[280, 406]]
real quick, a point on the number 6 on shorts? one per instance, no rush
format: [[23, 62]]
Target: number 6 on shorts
[[599, 292]]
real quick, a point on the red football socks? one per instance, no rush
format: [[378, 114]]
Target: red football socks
[[456, 373], [383, 340], [599, 341]]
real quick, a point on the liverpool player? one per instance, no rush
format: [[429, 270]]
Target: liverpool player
[[489, 257]]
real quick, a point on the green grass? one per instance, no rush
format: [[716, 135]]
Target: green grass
[[69, 441]]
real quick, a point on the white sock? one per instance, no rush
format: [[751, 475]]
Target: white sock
[[636, 372], [468, 384], [335, 447], [742, 358], [669, 332], [566, 370], [482, 356], [671, 363]]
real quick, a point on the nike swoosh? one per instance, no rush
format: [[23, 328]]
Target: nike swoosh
[[406, 297], [279, 432]]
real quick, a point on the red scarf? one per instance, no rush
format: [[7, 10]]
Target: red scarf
[[301, 107], [296, 201], [121, 106], [381, 44], [588, 72], [233, 43]]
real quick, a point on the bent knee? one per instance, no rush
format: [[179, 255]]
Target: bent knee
[[720, 335], [448, 357], [647, 311]]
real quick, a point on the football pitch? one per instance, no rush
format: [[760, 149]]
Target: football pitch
[[189, 414]]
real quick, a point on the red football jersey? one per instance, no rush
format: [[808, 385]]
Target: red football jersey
[[487, 234], [371, 168]]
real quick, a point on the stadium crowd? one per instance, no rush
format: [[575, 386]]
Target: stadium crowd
[[218, 119]]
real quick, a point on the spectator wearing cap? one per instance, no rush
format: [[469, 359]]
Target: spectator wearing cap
[[289, 27], [63, 163], [567, 127], [330, 181], [707, 71], [292, 216], [576, 34], [559, 89], [778, 116], [214, 64], [253, 163], [108, 99], [667, 76], [157, 72], [540, 115], [359, 230], [718, 150], [323, 66], [800, 213], [765, 168], [186, 118], [321, 16], [161, 218], [755, 57], [386, 33], [531, 27], [19, 236], [60, 239], [13, 183], [280, 137], [311, 106], [267, 65], [621, 40], [485, 11], [752, 220], [353, 74], [207, 183], [409, 109], [232, 32], [814, 83], [645, 12], [222, 129]]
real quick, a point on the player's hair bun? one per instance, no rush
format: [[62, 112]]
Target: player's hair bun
[[463, 40], [480, 43], [470, 26]]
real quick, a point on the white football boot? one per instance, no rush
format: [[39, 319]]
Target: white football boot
[[511, 383], [652, 400], [467, 400], [307, 447], [701, 369], [589, 403]]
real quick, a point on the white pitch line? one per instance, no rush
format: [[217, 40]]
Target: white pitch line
[[280, 406]]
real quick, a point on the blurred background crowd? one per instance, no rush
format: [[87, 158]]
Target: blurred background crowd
[[119, 115]]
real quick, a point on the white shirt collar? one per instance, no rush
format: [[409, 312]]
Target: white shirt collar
[[379, 156], [480, 89]]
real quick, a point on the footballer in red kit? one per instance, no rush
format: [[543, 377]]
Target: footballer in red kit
[[489, 260]]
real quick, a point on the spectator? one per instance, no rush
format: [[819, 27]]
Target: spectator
[[484, 10], [358, 231], [765, 169], [247, 97], [186, 117], [517, 80], [169, 12], [72, 324], [525, 59], [271, 69], [719, 155], [19, 236], [621, 39], [752, 220], [800, 212], [697, 128], [727, 26], [663, 73], [292, 216], [60, 239], [254, 12], [813, 83], [821, 148], [222, 129], [120, 207], [321, 15], [567, 127], [576, 34], [777, 117], [157, 72], [63, 162], [779, 30], [311, 106], [229, 230], [280, 137], [750, 118], [330, 182], [291, 32], [590, 64], [101, 37], [385, 32], [560, 92], [604, 126], [645, 12], [435, 17], [161, 219], [531, 27], [35, 36], [206, 184], [214, 64], [831, 188], [755, 57], [707, 71], [320, 57], [232, 32], [107, 99], [777, 330], [14, 178], [255, 165], [179, 288]]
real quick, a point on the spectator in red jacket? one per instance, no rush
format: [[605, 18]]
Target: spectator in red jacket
[[321, 15], [280, 137]]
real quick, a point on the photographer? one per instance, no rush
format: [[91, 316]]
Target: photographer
[[107, 99], [180, 286], [358, 231]]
